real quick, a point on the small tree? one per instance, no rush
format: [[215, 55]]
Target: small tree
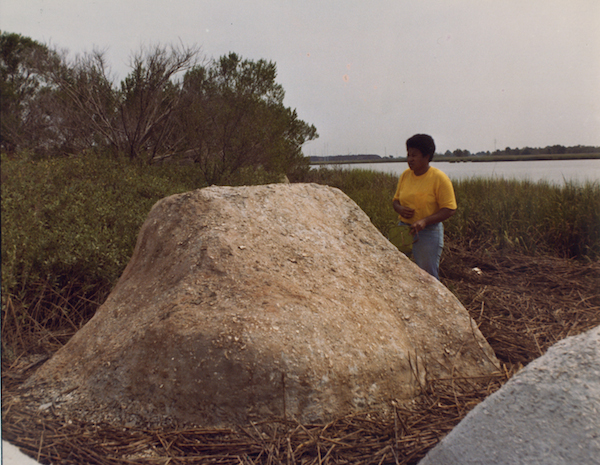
[[86, 104], [150, 99], [226, 116], [234, 118], [24, 89], [133, 119]]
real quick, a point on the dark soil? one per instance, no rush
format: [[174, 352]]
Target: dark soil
[[521, 304]]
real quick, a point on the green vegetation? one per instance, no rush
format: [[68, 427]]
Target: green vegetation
[[84, 159], [521, 216], [224, 115], [73, 219], [69, 225], [531, 218]]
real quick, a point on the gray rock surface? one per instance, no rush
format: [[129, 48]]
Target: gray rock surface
[[11, 455], [250, 302], [549, 413]]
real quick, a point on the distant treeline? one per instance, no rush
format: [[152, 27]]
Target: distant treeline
[[549, 150], [338, 158], [527, 153]]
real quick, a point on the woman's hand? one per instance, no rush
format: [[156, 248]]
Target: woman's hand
[[418, 226], [404, 212], [441, 215]]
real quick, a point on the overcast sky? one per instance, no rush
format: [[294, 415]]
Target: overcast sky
[[475, 74]]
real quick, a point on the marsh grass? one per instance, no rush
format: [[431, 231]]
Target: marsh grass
[[520, 216], [528, 217]]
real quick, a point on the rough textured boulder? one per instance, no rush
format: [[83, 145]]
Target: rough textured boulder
[[549, 413], [247, 302]]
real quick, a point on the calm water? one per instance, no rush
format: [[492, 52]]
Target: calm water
[[553, 171]]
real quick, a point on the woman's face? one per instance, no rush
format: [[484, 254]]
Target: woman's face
[[417, 161]]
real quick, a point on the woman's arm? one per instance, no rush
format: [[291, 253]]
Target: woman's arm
[[441, 215]]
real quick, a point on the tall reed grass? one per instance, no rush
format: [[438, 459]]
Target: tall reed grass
[[528, 217], [521, 216]]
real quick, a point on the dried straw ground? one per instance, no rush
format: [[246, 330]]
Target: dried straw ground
[[522, 305]]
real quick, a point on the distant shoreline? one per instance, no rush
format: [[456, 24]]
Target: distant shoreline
[[473, 158]]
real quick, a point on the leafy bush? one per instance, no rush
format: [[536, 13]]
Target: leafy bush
[[69, 227], [66, 219]]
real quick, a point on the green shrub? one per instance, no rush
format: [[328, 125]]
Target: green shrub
[[69, 226], [67, 219]]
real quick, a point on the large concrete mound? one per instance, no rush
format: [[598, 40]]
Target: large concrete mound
[[549, 413], [243, 303]]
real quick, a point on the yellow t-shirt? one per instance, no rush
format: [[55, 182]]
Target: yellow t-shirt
[[427, 193]]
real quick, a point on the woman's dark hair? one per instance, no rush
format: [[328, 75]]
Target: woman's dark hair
[[422, 142]]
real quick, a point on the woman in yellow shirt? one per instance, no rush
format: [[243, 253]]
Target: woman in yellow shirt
[[424, 198]]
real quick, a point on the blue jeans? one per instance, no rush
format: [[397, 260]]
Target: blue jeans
[[427, 251]]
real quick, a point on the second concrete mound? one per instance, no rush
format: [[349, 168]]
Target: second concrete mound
[[549, 413]]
